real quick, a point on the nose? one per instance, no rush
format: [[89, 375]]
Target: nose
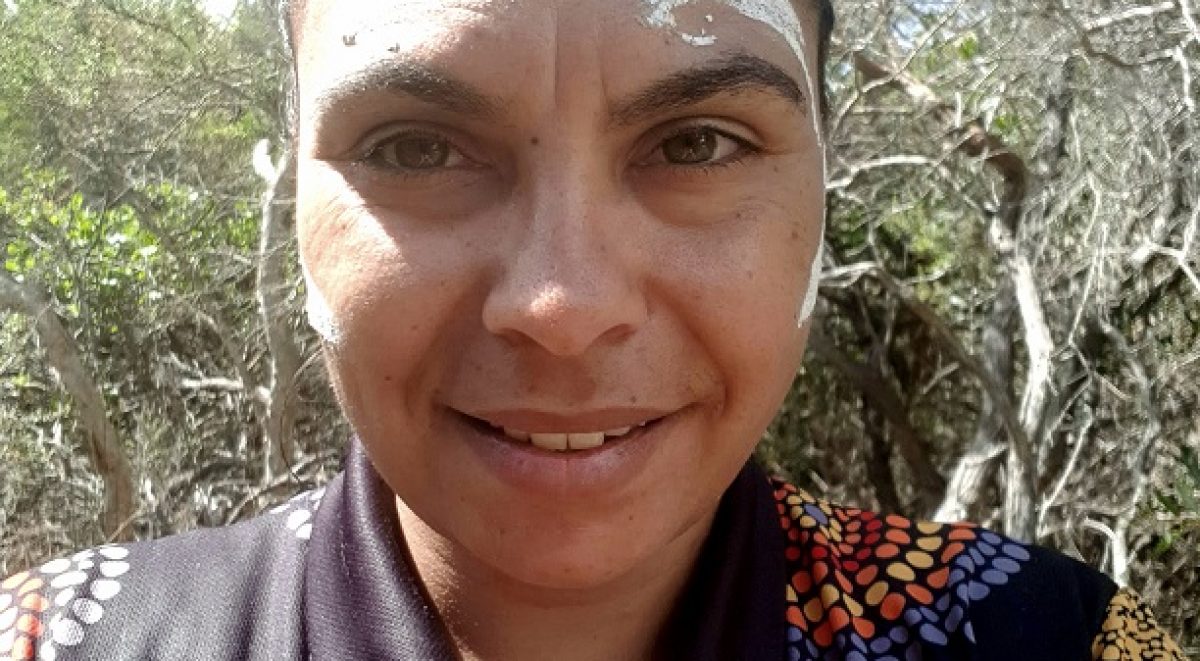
[[571, 282]]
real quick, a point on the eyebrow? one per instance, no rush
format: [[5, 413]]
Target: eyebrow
[[412, 79], [740, 71]]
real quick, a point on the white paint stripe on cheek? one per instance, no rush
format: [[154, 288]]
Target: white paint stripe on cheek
[[318, 310], [814, 282]]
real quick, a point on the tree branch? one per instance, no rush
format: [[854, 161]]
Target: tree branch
[[108, 457], [876, 391]]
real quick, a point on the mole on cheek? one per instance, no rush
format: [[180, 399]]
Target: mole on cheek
[[535, 141]]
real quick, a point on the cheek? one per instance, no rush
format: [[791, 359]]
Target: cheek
[[387, 291], [738, 284]]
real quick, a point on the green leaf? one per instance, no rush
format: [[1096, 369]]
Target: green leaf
[[968, 47], [1168, 502], [1187, 497], [1191, 463]]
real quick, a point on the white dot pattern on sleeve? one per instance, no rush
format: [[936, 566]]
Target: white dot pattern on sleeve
[[52, 607], [300, 511]]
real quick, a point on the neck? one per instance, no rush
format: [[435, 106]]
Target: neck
[[490, 615]]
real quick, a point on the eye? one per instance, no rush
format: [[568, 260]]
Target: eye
[[698, 145], [415, 150]]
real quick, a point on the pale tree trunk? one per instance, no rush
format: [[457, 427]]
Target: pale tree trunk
[[975, 467], [103, 445], [974, 140], [272, 287], [1023, 473], [1140, 459], [1020, 517]]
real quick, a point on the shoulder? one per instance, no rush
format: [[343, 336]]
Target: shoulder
[[151, 592], [885, 586]]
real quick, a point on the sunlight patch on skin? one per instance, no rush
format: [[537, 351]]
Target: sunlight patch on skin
[[422, 21]]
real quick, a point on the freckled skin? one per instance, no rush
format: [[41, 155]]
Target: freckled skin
[[556, 271]]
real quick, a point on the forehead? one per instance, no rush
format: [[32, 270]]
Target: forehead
[[509, 39]]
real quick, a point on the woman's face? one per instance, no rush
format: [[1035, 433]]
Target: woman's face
[[580, 220]]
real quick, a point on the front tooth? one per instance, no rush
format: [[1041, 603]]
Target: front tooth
[[516, 434], [556, 442], [617, 432], [585, 441]]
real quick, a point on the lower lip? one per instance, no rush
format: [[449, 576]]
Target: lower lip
[[601, 471]]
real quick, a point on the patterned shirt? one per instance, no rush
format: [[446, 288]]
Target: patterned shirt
[[782, 577]]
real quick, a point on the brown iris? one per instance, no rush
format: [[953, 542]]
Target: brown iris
[[415, 152], [693, 146]]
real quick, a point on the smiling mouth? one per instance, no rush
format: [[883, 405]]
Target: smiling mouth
[[562, 441]]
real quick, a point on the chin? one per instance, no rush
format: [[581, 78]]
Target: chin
[[566, 568], [583, 549]]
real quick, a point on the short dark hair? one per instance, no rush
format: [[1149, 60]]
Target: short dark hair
[[290, 12]]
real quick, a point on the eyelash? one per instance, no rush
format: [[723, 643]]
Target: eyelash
[[372, 153], [745, 149]]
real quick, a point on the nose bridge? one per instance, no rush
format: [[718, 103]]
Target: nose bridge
[[564, 285], [566, 238]]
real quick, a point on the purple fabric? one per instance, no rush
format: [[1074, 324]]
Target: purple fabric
[[363, 601], [327, 576]]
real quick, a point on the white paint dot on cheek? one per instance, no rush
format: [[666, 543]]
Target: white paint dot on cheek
[[317, 309]]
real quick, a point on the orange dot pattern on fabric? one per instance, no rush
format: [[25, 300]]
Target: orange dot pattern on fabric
[[21, 610], [865, 586], [1130, 633], [47, 612], [48, 609]]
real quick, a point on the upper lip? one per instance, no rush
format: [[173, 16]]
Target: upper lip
[[576, 422]]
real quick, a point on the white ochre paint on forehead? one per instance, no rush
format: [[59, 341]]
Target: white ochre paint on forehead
[[780, 16], [349, 36]]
